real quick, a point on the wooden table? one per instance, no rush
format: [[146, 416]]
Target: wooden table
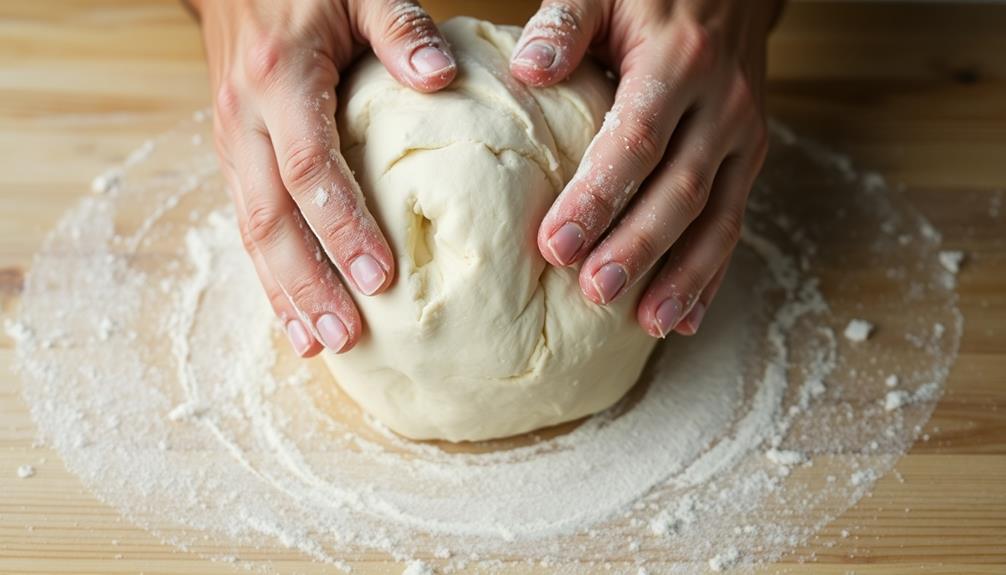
[[917, 92]]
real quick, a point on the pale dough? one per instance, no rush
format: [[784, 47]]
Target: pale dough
[[478, 338]]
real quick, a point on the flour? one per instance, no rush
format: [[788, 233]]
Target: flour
[[785, 458], [191, 422], [858, 330], [187, 410], [25, 471], [417, 568], [106, 182], [895, 400], [726, 560], [320, 197], [951, 260]]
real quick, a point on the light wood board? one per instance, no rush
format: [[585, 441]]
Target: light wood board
[[917, 92]]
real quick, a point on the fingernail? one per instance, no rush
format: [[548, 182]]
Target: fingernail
[[367, 273], [690, 325], [333, 334], [429, 60], [299, 338], [565, 242], [537, 54], [609, 280], [667, 316]]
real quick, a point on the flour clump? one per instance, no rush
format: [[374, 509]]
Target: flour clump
[[478, 337]]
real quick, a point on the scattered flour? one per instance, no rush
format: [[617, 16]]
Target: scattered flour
[[724, 561], [863, 477], [951, 260], [106, 182], [105, 328], [320, 197], [672, 522], [25, 471], [858, 330], [895, 400], [186, 411], [786, 458], [281, 460], [417, 568]]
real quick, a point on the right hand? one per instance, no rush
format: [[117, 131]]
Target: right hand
[[274, 67]]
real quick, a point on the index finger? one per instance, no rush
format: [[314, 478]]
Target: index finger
[[314, 172], [651, 99]]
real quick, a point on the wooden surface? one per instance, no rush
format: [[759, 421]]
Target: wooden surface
[[916, 92]]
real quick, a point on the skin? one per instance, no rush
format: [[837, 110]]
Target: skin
[[659, 197], [274, 67], [661, 193]]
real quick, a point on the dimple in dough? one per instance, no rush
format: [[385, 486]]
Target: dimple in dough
[[478, 338]]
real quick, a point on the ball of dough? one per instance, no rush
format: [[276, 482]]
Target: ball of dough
[[478, 337]]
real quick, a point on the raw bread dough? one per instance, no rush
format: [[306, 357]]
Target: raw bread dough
[[478, 338]]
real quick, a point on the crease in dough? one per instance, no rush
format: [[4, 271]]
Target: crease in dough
[[478, 338]]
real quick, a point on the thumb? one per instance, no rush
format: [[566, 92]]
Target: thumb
[[554, 42], [407, 42]]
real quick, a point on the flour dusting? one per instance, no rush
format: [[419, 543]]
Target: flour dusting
[[153, 365]]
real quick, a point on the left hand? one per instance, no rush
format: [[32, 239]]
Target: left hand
[[670, 170]]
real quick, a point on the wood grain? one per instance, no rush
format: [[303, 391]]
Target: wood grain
[[917, 92]]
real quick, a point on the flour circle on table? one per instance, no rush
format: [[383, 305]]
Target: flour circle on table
[[162, 382]]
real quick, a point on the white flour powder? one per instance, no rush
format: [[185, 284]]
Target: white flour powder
[[149, 362]]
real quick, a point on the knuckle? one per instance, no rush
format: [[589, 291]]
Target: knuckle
[[341, 232], [558, 15], [246, 238], [729, 225], [643, 143], [644, 249], [227, 105], [741, 102], [305, 164], [278, 299], [675, 279], [695, 49], [598, 205], [262, 61], [687, 283], [302, 290], [265, 223], [406, 20], [688, 190]]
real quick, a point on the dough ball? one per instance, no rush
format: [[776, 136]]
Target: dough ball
[[478, 338]]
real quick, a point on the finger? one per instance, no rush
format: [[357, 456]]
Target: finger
[[701, 251], [690, 324], [225, 123], [301, 127], [288, 249], [554, 42], [673, 196], [303, 343], [407, 42], [628, 146]]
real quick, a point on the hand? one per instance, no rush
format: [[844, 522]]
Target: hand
[[274, 67], [668, 174]]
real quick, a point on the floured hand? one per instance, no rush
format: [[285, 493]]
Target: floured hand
[[274, 67], [666, 179]]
